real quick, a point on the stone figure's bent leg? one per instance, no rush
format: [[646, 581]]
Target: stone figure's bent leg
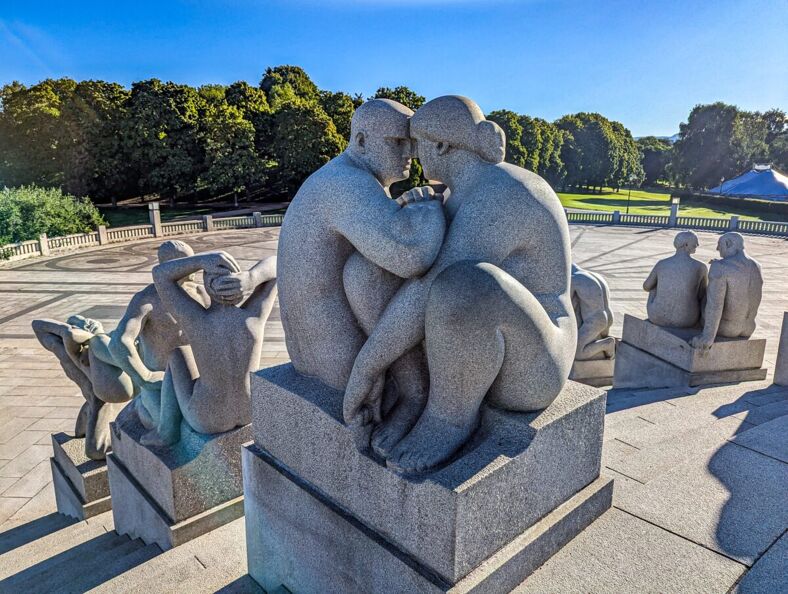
[[110, 382], [589, 345], [177, 388], [369, 289], [98, 437], [486, 335], [81, 424]]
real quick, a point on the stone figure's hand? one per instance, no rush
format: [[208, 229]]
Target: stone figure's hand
[[234, 286], [421, 194], [220, 263], [701, 342], [363, 398], [153, 381]]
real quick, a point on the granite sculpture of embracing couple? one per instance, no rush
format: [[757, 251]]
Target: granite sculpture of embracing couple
[[424, 308]]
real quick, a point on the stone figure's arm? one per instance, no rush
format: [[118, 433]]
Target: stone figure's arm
[[176, 300], [715, 302], [73, 339], [399, 330], [252, 285], [403, 240], [123, 345], [651, 282]]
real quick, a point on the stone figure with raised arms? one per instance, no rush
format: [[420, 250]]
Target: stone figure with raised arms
[[207, 382], [734, 293], [677, 286], [591, 302], [148, 333], [494, 311], [82, 348]]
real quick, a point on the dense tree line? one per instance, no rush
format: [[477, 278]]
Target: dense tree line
[[99, 139]]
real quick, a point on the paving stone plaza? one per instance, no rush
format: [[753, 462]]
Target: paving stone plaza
[[701, 474]]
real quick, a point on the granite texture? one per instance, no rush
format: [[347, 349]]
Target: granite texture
[[677, 285], [68, 500], [769, 438], [517, 468], [302, 540], [591, 302], [620, 553], [638, 369], [493, 313], [672, 345], [733, 295], [200, 472], [206, 383], [781, 367], [595, 372], [87, 476], [769, 574], [137, 515]]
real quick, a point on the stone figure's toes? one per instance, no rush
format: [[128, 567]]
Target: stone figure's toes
[[153, 439], [385, 438], [431, 442]]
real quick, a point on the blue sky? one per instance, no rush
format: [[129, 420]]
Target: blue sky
[[644, 63]]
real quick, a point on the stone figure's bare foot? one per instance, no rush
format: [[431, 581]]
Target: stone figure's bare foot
[[431, 442], [609, 347], [400, 420]]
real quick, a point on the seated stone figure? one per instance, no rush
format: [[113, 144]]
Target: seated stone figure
[[734, 293], [494, 311], [147, 334], [677, 286], [591, 302], [343, 209], [207, 382], [82, 348]]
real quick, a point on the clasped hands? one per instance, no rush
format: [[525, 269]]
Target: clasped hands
[[228, 281], [420, 194]]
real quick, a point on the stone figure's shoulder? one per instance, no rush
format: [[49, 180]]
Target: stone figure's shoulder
[[718, 269], [527, 192], [335, 178]]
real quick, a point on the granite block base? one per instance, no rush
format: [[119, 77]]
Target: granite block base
[[299, 538], [597, 372], [136, 514], [81, 485], [637, 369], [515, 470], [651, 356]]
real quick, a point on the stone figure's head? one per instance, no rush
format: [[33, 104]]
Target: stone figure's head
[[172, 249], [449, 129], [87, 324], [730, 244], [379, 138], [685, 241], [211, 280]]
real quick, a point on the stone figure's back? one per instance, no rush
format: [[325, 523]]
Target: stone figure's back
[[677, 299]]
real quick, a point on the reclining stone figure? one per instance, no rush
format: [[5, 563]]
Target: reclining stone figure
[[734, 293], [82, 348], [206, 383], [591, 302], [677, 286], [494, 311]]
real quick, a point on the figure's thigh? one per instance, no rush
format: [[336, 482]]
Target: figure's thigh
[[368, 289], [473, 309]]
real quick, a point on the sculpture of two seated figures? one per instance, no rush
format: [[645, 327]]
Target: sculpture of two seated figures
[[426, 413], [700, 320]]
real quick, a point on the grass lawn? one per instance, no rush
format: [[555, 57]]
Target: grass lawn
[[643, 202]]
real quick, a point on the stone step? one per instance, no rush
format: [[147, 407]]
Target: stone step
[[47, 546], [70, 570], [165, 570]]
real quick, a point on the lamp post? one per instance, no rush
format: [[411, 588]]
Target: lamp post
[[632, 179], [722, 181]]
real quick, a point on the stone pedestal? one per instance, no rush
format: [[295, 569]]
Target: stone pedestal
[[781, 369], [322, 517], [651, 356], [596, 372], [170, 495], [81, 485]]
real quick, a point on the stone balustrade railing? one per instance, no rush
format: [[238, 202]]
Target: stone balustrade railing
[[44, 246]]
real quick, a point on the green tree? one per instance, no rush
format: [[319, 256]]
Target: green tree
[[510, 123], [718, 141], [656, 157], [339, 107], [161, 137], [401, 94], [28, 211], [282, 83]]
